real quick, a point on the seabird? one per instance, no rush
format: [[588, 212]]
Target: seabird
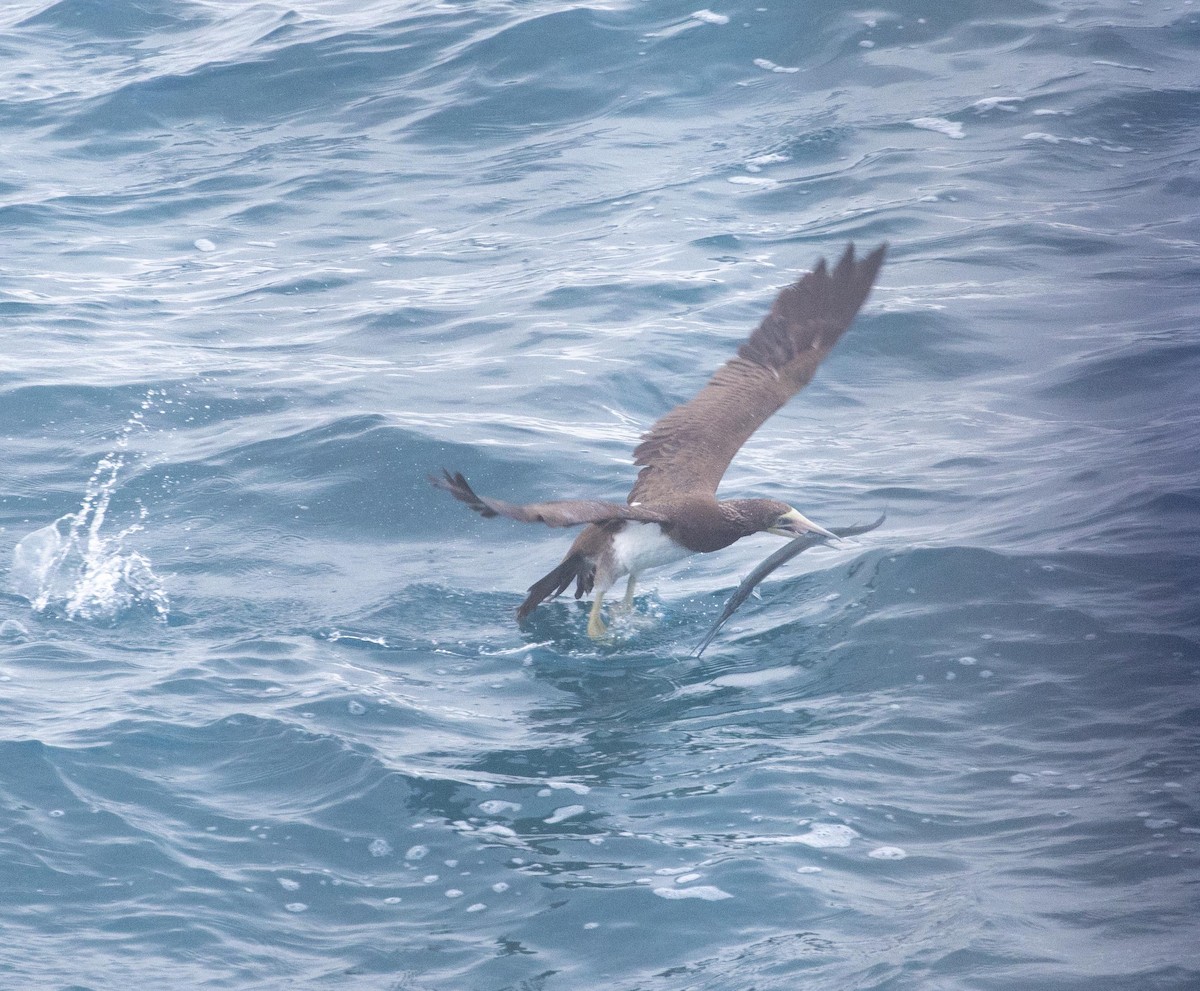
[[672, 511]]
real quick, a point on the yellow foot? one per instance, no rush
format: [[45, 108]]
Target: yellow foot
[[596, 627], [627, 602]]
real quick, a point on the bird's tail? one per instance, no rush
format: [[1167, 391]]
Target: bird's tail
[[575, 568]]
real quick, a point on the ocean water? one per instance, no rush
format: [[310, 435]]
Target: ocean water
[[266, 720]]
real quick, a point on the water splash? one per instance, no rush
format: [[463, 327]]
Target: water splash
[[72, 568]]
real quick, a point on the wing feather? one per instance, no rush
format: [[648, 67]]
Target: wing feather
[[689, 449], [557, 513]]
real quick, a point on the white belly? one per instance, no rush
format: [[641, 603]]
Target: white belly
[[643, 545]]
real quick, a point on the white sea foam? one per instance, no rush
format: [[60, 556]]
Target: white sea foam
[[495, 806], [998, 103], [950, 128], [823, 836], [572, 786], [497, 830], [749, 180], [755, 679], [566, 812], [769, 66], [705, 892], [888, 853]]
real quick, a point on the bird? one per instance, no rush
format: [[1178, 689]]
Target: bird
[[673, 511]]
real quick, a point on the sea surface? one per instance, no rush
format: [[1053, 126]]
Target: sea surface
[[266, 718]]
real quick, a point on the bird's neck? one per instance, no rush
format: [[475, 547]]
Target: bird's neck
[[708, 526]]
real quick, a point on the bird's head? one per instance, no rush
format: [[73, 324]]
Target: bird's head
[[773, 516], [793, 523]]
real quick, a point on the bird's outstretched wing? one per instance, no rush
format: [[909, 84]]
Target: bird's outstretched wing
[[558, 513], [689, 449]]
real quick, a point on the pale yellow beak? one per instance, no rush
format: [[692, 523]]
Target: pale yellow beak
[[799, 524]]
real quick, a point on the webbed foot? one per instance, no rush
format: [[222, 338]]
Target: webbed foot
[[596, 628]]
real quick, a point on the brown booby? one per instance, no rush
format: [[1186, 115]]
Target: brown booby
[[672, 511]]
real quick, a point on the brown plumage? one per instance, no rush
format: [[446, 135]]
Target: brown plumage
[[690, 448], [672, 510]]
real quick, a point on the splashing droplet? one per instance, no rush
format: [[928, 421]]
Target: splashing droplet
[[73, 568]]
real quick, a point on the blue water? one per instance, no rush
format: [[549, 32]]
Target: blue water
[[266, 721]]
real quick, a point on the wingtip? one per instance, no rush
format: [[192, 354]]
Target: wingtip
[[875, 259], [457, 485], [851, 265]]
